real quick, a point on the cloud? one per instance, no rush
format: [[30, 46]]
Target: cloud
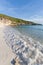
[[37, 19], [29, 11]]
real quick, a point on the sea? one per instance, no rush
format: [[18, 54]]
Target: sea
[[26, 42], [33, 31]]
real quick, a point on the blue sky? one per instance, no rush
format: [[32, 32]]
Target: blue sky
[[24, 9]]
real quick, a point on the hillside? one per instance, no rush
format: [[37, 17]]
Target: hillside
[[14, 21]]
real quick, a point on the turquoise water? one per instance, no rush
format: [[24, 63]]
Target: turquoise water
[[36, 32]]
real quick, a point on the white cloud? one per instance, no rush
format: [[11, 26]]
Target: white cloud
[[37, 19]]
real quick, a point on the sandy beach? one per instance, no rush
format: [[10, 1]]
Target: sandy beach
[[24, 50], [6, 54], [21, 32]]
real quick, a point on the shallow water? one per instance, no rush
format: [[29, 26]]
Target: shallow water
[[27, 50], [36, 32]]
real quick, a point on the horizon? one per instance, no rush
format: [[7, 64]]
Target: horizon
[[30, 10]]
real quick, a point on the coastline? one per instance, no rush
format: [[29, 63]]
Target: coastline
[[27, 50], [24, 48]]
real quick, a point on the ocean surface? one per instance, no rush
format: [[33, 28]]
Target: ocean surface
[[35, 32], [26, 43]]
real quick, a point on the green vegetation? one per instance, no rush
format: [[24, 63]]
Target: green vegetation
[[17, 21]]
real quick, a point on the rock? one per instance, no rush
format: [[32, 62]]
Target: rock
[[13, 62]]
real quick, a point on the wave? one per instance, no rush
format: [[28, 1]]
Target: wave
[[27, 50]]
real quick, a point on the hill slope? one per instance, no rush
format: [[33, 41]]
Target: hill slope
[[15, 21]]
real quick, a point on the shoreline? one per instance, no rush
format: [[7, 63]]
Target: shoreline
[[27, 50], [6, 54], [21, 46]]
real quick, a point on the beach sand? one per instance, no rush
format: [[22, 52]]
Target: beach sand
[[6, 54], [25, 51]]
